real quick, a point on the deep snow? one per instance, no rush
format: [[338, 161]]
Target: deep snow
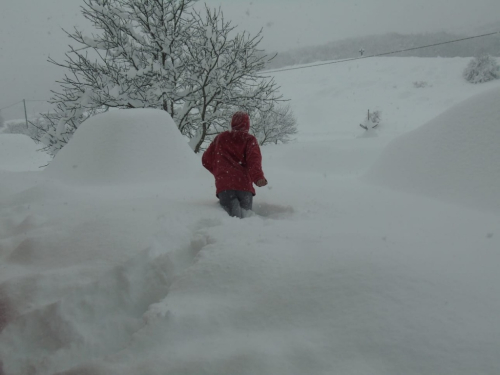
[[334, 274], [140, 146], [455, 157]]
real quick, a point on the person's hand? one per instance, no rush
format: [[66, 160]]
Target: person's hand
[[261, 182]]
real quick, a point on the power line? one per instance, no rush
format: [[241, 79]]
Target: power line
[[12, 105], [336, 61], [382, 54], [19, 102]]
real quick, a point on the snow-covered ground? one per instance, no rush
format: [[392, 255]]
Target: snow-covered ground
[[19, 153], [117, 259]]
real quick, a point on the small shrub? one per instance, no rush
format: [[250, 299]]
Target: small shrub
[[482, 69], [375, 117], [420, 84]]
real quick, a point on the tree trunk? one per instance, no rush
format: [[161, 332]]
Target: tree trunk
[[202, 139]]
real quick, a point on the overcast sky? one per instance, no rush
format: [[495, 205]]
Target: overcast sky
[[30, 30]]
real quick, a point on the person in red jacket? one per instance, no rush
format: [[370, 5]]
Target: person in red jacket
[[235, 160]]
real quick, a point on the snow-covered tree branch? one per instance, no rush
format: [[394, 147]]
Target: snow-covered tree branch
[[276, 125]]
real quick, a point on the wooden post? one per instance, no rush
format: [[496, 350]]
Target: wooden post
[[25, 113]]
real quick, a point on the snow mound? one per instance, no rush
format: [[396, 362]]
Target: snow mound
[[125, 146], [18, 153], [454, 157]]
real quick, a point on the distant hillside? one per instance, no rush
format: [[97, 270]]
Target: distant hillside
[[376, 44]]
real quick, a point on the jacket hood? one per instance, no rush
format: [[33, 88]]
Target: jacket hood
[[240, 122]]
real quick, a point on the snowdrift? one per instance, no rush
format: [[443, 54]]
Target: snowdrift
[[454, 157], [126, 146]]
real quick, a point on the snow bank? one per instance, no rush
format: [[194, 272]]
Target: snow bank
[[126, 146], [455, 157], [18, 153], [80, 264]]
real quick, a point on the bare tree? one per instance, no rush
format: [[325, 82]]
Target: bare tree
[[159, 54], [275, 125], [223, 76], [2, 121], [133, 62]]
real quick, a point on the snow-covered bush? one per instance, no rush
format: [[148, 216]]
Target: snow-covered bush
[[420, 84], [15, 127], [482, 69], [160, 54], [34, 129]]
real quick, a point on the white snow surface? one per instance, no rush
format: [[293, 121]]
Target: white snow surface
[[20, 163], [141, 272], [455, 156], [19, 153]]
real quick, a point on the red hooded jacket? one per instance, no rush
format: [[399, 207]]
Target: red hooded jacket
[[234, 157]]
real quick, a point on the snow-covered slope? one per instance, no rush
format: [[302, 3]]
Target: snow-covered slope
[[104, 274], [331, 101], [454, 157]]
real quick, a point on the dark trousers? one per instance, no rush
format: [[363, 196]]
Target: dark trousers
[[235, 201]]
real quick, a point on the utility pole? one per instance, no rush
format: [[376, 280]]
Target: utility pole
[[25, 113]]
